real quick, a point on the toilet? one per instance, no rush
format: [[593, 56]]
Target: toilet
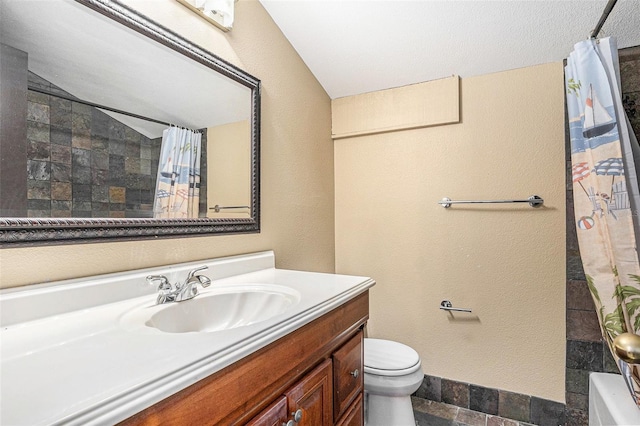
[[392, 372]]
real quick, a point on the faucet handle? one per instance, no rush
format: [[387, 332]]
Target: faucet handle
[[192, 272], [164, 282], [165, 291], [204, 280]]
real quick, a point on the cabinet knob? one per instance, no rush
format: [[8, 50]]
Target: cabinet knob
[[355, 373], [289, 423], [297, 416]]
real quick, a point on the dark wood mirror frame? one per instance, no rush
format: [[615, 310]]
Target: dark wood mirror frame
[[16, 232]]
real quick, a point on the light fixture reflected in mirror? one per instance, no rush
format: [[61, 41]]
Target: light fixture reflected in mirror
[[217, 12]]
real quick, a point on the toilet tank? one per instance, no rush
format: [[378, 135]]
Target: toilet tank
[[610, 403]]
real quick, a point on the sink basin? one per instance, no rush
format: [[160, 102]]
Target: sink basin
[[220, 308]]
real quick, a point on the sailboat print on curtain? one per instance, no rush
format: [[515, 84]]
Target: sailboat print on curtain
[[178, 182], [597, 120]]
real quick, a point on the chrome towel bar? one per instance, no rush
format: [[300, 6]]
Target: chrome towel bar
[[217, 208], [534, 201], [446, 305]]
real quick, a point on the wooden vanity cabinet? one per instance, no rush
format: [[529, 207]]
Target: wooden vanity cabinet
[[274, 415], [307, 403], [354, 415], [348, 367], [311, 397], [311, 369], [337, 382]]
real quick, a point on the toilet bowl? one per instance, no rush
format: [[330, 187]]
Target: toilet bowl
[[392, 372]]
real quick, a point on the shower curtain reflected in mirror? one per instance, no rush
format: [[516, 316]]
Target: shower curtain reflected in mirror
[[178, 183], [604, 156]]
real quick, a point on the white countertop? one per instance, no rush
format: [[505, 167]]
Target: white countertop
[[68, 359]]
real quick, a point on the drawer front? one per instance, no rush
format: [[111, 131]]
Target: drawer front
[[354, 415], [347, 374]]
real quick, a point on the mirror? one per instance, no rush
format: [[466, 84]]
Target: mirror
[[89, 90]]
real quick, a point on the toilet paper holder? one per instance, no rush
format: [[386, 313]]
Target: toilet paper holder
[[446, 305]]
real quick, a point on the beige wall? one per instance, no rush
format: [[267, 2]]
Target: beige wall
[[296, 164], [228, 171], [431, 103], [507, 263]]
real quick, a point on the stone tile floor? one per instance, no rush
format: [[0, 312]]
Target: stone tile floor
[[431, 413]]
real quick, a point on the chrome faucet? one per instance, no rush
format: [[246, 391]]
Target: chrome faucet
[[180, 291], [165, 291]]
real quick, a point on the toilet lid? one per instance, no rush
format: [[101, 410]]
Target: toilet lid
[[388, 358]]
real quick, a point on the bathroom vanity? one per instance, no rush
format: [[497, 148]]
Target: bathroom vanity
[[259, 346], [317, 369]]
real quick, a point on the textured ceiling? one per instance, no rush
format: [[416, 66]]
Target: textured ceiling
[[361, 46]]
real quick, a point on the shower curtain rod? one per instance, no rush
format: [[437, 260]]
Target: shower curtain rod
[[92, 104], [603, 18]]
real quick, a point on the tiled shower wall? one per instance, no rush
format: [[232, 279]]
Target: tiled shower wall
[[82, 162], [586, 351]]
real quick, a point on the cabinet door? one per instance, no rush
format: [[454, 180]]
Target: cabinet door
[[274, 415], [354, 415], [310, 399], [347, 374]]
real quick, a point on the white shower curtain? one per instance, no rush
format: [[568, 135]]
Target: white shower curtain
[[604, 157], [178, 182]]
